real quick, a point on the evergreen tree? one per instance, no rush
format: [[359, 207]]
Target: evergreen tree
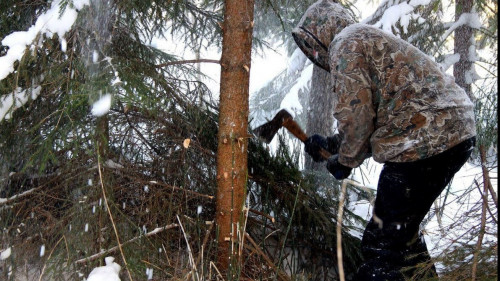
[[135, 181]]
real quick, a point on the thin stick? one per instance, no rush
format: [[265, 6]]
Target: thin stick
[[199, 260], [486, 176], [191, 259], [186, 62], [241, 234], [256, 247], [289, 226], [262, 214], [212, 264], [339, 230], [481, 235], [12, 198], [111, 218], [110, 250], [180, 189], [486, 182], [51, 252], [487, 206]]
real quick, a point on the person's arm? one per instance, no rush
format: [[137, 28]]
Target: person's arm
[[354, 109]]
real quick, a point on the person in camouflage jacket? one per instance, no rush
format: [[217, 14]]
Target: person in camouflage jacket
[[395, 104]]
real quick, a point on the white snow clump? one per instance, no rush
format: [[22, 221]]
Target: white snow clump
[[5, 254], [109, 272], [102, 106]]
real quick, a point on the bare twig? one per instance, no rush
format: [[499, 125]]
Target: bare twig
[[486, 175], [438, 217], [256, 247], [4, 201], [481, 233], [191, 259], [175, 188], [289, 226], [113, 249], [111, 218], [203, 245], [183, 189], [187, 62], [263, 214], [241, 235], [486, 183], [212, 265], [487, 205], [339, 230], [50, 255]]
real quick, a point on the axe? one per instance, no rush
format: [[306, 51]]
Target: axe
[[283, 118]]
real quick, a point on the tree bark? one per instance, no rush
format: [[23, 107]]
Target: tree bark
[[102, 136], [463, 41], [233, 130], [320, 111]]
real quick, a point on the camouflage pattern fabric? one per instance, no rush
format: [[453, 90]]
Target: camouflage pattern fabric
[[390, 98]]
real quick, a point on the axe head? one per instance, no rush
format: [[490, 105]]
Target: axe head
[[267, 131]]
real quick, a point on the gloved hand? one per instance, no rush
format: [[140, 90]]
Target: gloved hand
[[338, 170], [313, 145], [314, 142]]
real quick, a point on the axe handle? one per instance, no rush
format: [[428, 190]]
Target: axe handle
[[297, 131]]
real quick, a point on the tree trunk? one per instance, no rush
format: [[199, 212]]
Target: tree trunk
[[463, 41], [102, 136], [233, 130], [320, 111]]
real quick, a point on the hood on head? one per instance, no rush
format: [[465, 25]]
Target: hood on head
[[317, 28]]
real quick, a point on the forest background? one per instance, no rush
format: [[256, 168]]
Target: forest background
[[109, 122]]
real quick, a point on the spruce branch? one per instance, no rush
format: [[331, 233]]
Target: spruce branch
[[187, 62]]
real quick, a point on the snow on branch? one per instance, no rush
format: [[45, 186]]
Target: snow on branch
[[9, 103], [468, 19], [48, 23], [402, 13]]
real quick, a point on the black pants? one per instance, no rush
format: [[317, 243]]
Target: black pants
[[392, 245]]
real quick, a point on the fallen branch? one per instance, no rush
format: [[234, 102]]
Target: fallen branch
[[113, 249], [4, 201]]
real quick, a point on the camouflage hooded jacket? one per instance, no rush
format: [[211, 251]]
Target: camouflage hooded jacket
[[390, 99]]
